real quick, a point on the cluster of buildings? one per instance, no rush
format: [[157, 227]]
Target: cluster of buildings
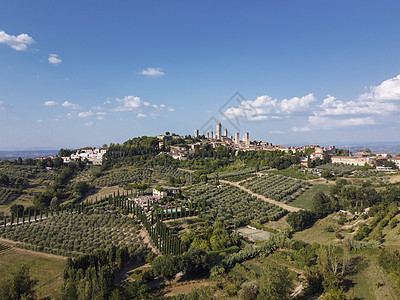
[[246, 144], [221, 138], [146, 201], [362, 158], [95, 156]]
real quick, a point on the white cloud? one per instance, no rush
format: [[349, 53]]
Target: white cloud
[[265, 107], [101, 113], [54, 59], [296, 104], [4, 106], [301, 129], [128, 103], [89, 124], [332, 106], [328, 123], [70, 105], [379, 105], [277, 132], [50, 103], [85, 114], [387, 90], [152, 72], [140, 115], [19, 42]]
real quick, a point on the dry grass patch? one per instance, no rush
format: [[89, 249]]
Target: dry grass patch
[[48, 269]]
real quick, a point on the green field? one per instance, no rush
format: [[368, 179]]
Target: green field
[[392, 236], [364, 282], [305, 199], [48, 269], [318, 233]]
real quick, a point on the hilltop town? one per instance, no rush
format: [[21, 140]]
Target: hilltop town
[[211, 213]]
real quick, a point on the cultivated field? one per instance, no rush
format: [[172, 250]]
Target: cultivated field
[[72, 234], [233, 206], [277, 187]]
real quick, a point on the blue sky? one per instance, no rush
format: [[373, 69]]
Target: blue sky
[[85, 73]]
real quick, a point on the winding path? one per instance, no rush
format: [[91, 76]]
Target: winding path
[[283, 205]]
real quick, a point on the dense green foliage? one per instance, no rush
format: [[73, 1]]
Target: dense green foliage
[[338, 169], [91, 276], [131, 151], [59, 187], [301, 220], [209, 237], [20, 286]]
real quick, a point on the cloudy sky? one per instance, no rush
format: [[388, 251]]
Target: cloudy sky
[[85, 73]]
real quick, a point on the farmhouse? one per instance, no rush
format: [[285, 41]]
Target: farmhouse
[[396, 160], [143, 201], [161, 192], [356, 161], [95, 156]]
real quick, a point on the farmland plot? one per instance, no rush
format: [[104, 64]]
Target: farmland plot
[[277, 187], [233, 206]]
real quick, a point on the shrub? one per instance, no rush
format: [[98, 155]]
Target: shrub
[[301, 220]]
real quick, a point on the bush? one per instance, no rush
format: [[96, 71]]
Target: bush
[[394, 223], [249, 290], [301, 220]]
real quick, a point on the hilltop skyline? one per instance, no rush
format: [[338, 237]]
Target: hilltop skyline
[[76, 74]]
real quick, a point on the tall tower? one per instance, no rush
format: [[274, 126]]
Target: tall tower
[[247, 138], [196, 133], [211, 134], [219, 131], [237, 139], [226, 132]]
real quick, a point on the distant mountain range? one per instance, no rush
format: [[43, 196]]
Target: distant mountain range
[[392, 148], [11, 155]]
